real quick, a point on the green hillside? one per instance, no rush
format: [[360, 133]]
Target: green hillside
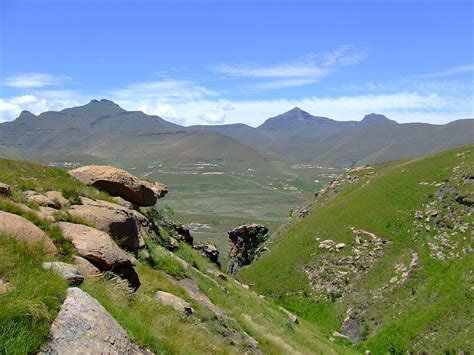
[[404, 274]]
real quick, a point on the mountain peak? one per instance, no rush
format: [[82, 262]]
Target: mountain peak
[[296, 113], [95, 108], [25, 115], [376, 118]]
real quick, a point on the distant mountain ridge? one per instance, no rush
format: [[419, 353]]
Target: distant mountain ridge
[[102, 129]]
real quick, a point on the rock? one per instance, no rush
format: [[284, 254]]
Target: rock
[[336, 334], [5, 190], [83, 326], [118, 182], [175, 302], [68, 272], [42, 200], [99, 248], [123, 224], [218, 274], [326, 244], [174, 244], [351, 328], [210, 251], [47, 213], [5, 286], [183, 232], [290, 315], [85, 266], [243, 243], [25, 231], [58, 198], [340, 246]]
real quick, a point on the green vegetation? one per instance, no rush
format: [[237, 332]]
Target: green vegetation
[[32, 299], [421, 314]]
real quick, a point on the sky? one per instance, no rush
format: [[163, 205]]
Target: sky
[[227, 61]]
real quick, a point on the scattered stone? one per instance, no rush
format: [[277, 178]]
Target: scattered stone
[[340, 246], [290, 315], [5, 190], [25, 231], [393, 279], [5, 286], [326, 244], [218, 274], [210, 251], [83, 326], [123, 224], [336, 334], [68, 272], [178, 304], [99, 248], [118, 182], [40, 199], [243, 243]]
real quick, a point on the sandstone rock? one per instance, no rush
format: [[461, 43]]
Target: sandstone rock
[[83, 326], [118, 182], [58, 198], [326, 244], [5, 286], [40, 199], [46, 213], [243, 242], [25, 231], [175, 302], [68, 272], [99, 248], [183, 232], [210, 251], [121, 223], [5, 190], [85, 266], [340, 246]]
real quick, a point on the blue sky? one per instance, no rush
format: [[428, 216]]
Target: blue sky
[[209, 61]]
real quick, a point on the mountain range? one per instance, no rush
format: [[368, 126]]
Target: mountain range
[[103, 130]]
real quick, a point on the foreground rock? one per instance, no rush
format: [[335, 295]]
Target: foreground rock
[[121, 223], [118, 182], [83, 326], [85, 267], [178, 304], [99, 248], [243, 243], [210, 251], [68, 272], [25, 231]]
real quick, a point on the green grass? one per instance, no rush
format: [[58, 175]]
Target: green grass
[[385, 206], [29, 307]]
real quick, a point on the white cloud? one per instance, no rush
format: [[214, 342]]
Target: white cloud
[[217, 115], [32, 80], [304, 71], [449, 72]]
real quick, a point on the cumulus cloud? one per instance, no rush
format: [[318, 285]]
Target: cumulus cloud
[[33, 80], [217, 115], [303, 71]]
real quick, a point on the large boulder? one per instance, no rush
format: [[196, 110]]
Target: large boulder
[[178, 304], [243, 243], [83, 326], [99, 248], [68, 272], [123, 224], [118, 182], [24, 230]]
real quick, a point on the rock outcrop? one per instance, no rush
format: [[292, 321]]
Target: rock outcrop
[[210, 251], [178, 304], [24, 230], [83, 326], [123, 224], [99, 248], [243, 243], [85, 266], [68, 272], [118, 182]]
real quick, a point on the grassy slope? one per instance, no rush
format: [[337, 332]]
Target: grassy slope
[[437, 298], [27, 309]]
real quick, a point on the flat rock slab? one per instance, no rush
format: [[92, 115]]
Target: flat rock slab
[[25, 231], [118, 182], [68, 272], [83, 326], [178, 304], [99, 248]]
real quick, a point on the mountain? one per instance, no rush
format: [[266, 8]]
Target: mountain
[[383, 255]]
